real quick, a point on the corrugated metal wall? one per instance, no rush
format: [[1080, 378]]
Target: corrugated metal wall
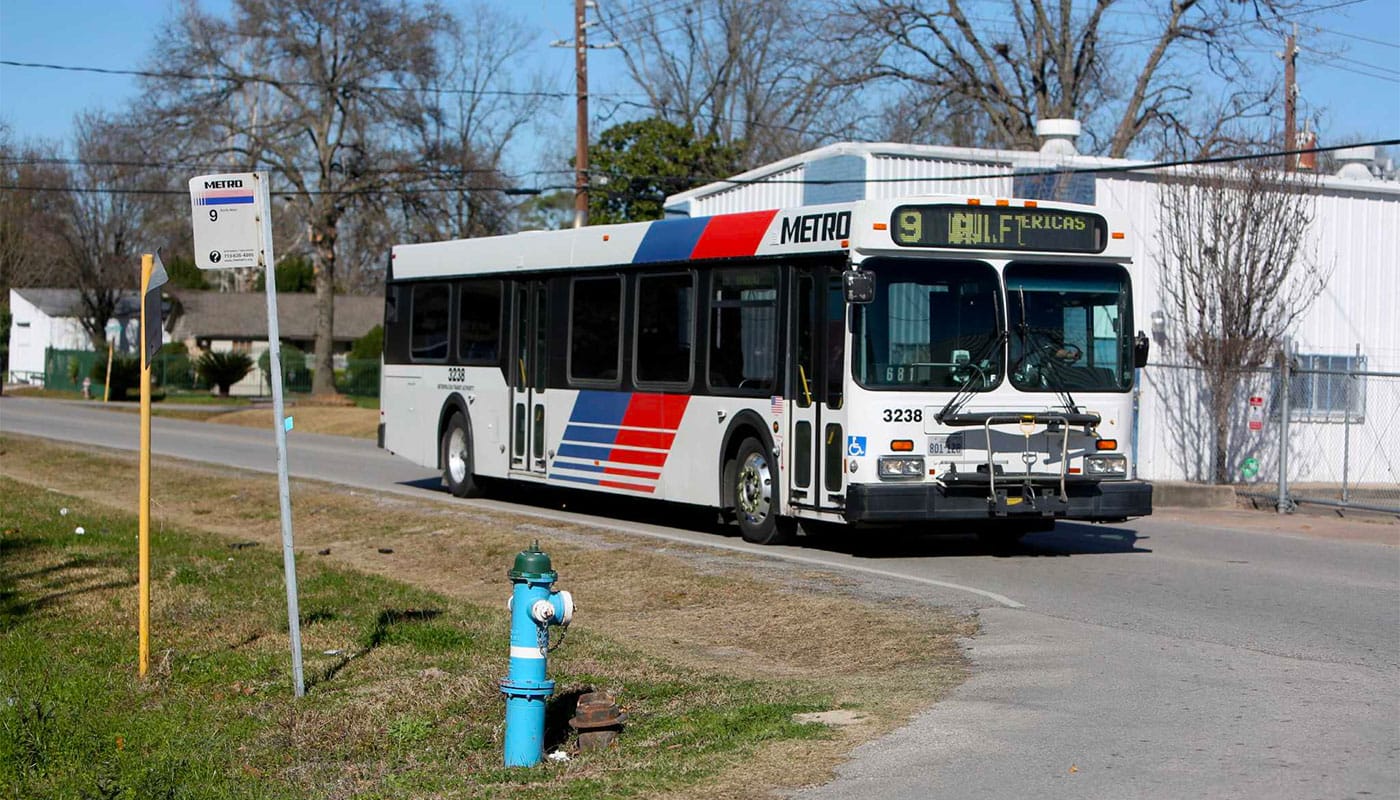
[[894, 175]]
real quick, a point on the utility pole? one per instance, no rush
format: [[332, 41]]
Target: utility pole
[[1290, 100], [581, 135], [580, 45]]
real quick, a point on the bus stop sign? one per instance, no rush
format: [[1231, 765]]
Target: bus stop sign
[[228, 210]]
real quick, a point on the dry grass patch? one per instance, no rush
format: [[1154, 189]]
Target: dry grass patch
[[362, 423]]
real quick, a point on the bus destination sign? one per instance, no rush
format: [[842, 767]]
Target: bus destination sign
[[999, 228]]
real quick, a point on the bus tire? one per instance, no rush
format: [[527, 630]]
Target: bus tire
[[457, 462], [755, 496]]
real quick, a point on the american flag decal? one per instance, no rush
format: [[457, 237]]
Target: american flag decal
[[776, 405]]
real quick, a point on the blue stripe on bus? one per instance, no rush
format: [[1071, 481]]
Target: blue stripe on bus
[[577, 466], [579, 451], [600, 408], [575, 479], [670, 240], [579, 433]]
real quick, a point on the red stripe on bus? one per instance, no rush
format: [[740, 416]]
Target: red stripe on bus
[[628, 486], [733, 234], [660, 441], [640, 458], [662, 411], [631, 473]]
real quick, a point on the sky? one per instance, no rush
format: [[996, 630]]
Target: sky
[[1348, 67]]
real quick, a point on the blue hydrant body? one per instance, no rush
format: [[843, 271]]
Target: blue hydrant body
[[535, 604]]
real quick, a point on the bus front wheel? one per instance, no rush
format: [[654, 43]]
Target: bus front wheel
[[755, 498], [457, 463]]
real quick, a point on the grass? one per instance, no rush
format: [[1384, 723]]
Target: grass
[[405, 704], [403, 649]]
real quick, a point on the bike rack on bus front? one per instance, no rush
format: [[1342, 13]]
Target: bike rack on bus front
[[999, 501]]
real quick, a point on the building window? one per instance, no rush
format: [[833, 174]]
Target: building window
[[431, 309], [480, 322], [595, 329], [1325, 388]]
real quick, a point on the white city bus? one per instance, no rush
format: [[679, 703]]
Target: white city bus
[[963, 364]]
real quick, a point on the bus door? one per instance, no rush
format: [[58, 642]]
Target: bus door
[[816, 430], [529, 356]]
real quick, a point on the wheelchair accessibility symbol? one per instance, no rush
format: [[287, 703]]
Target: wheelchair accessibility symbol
[[855, 445]]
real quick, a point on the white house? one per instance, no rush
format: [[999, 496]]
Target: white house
[[44, 319], [1356, 231]]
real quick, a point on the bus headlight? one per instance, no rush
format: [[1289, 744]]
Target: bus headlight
[[901, 467], [1106, 466]]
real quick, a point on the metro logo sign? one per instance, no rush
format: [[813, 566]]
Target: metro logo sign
[[228, 213]]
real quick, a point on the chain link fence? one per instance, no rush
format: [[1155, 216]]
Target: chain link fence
[[1320, 429], [65, 370]]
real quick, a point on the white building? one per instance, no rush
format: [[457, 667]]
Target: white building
[[44, 319], [1356, 231]]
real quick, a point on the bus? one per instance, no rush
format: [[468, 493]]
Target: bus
[[964, 364]]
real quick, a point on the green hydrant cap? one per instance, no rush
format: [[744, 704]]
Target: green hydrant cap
[[532, 564]]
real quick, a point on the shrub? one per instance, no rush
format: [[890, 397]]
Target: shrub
[[223, 369], [126, 375], [370, 346], [295, 375], [173, 367], [360, 378]]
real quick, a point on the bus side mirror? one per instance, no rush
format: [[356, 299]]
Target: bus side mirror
[[858, 287], [1140, 347]]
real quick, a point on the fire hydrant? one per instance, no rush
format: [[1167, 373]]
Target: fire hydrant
[[535, 604]]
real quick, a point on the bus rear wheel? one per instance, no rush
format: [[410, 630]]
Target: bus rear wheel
[[456, 455], [756, 500]]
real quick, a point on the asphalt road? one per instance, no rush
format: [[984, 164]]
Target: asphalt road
[[1190, 654]]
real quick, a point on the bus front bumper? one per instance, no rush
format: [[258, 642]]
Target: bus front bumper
[[1100, 501]]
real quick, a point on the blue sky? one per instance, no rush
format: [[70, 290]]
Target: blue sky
[[1349, 67]]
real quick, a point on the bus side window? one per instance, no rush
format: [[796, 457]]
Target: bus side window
[[430, 315], [595, 319], [665, 329], [743, 329], [479, 322]]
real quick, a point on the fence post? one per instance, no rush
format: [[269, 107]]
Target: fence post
[[1346, 426], [1285, 505]]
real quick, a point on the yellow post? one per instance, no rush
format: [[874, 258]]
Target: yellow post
[[144, 625], [107, 383]]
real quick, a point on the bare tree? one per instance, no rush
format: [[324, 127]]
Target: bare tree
[[32, 176], [1039, 59], [1237, 273], [113, 210], [485, 99], [326, 94], [735, 70]]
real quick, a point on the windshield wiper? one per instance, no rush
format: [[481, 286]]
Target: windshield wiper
[[1047, 361], [960, 398]]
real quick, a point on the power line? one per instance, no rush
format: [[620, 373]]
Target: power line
[[1127, 168], [240, 79], [1327, 64]]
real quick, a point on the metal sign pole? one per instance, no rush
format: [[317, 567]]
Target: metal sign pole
[[232, 216], [274, 350]]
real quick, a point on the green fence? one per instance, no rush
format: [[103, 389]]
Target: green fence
[[65, 370]]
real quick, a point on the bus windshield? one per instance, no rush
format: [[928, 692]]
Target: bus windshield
[[932, 324], [1069, 327]]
